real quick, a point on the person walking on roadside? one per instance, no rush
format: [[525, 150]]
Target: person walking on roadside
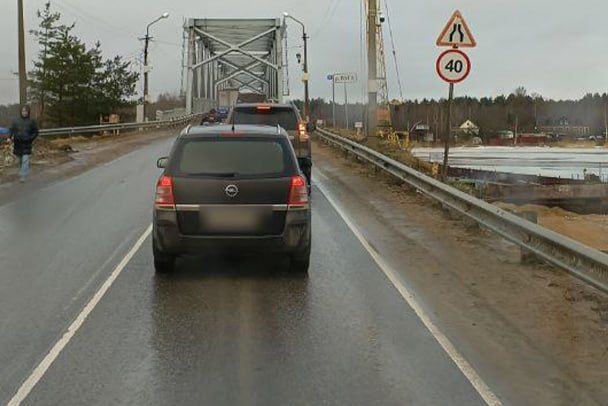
[[23, 132]]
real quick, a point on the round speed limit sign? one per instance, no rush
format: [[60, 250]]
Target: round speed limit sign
[[453, 66]]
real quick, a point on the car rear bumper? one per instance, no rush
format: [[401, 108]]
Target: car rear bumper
[[168, 239]]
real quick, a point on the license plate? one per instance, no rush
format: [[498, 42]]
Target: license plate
[[232, 219]]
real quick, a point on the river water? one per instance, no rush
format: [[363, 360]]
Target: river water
[[544, 161]]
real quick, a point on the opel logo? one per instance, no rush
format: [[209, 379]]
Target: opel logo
[[231, 190]]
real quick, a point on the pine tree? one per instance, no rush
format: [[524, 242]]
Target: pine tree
[[75, 85], [46, 34]]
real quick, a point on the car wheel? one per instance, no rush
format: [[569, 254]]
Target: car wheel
[[300, 262], [163, 263]]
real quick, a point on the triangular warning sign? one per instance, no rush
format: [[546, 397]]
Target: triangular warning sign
[[456, 33]]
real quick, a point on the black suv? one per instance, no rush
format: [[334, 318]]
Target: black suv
[[231, 189], [285, 115]]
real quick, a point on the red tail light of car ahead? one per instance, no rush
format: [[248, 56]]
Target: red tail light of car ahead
[[298, 195], [164, 193], [302, 131]]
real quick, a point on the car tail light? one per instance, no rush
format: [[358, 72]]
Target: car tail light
[[302, 131], [164, 193], [298, 195], [263, 107]]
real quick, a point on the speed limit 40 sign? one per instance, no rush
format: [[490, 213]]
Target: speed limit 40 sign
[[453, 66]]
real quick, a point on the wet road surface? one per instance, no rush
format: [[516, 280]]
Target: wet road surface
[[219, 330]]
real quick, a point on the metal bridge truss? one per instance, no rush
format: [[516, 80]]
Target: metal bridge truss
[[243, 54]]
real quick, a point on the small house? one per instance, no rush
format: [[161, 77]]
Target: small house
[[468, 128]]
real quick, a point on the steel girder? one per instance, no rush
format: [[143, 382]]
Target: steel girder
[[243, 54]]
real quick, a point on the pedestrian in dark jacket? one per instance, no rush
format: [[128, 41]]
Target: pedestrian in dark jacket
[[24, 131]]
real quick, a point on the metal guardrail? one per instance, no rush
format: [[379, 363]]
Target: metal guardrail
[[92, 129], [586, 263]]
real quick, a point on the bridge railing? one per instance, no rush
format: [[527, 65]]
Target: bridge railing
[[93, 129], [586, 263]]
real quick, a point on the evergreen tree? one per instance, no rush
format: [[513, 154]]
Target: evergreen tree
[[75, 85]]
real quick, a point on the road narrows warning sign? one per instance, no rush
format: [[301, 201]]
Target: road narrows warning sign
[[456, 33]]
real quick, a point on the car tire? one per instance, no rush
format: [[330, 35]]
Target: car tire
[[300, 262], [163, 263]]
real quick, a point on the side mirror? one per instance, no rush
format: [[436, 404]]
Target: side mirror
[[310, 127], [162, 162]]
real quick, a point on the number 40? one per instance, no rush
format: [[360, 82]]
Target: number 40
[[455, 66]]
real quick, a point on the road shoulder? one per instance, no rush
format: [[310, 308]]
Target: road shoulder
[[75, 156], [535, 334]]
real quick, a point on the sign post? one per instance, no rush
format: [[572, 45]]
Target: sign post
[[333, 99], [346, 106], [346, 79], [453, 66]]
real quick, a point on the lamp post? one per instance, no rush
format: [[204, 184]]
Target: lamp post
[[305, 38], [147, 39]]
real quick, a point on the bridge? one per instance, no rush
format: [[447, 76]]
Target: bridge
[[242, 55]]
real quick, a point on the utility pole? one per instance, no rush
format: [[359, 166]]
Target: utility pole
[[372, 66], [606, 122], [535, 114], [22, 72]]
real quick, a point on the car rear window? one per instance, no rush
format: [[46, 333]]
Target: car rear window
[[235, 158], [286, 117]]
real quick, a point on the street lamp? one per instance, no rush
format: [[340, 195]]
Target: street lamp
[[147, 39], [305, 38]]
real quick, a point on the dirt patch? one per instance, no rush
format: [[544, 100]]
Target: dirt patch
[[589, 229]]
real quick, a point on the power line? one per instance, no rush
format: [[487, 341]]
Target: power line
[[390, 30], [329, 15], [322, 23], [168, 43], [77, 12]]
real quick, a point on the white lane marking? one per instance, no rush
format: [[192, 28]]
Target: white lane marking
[[43, 366], [480, 386]]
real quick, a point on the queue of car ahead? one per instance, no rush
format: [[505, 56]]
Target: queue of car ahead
[[239, 188]]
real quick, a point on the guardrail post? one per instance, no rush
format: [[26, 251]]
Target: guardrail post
[[526, 256]]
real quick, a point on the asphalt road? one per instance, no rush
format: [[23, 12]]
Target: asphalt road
[[219, 330]]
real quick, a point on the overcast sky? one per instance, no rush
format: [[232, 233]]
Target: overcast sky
[[553, 47]]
